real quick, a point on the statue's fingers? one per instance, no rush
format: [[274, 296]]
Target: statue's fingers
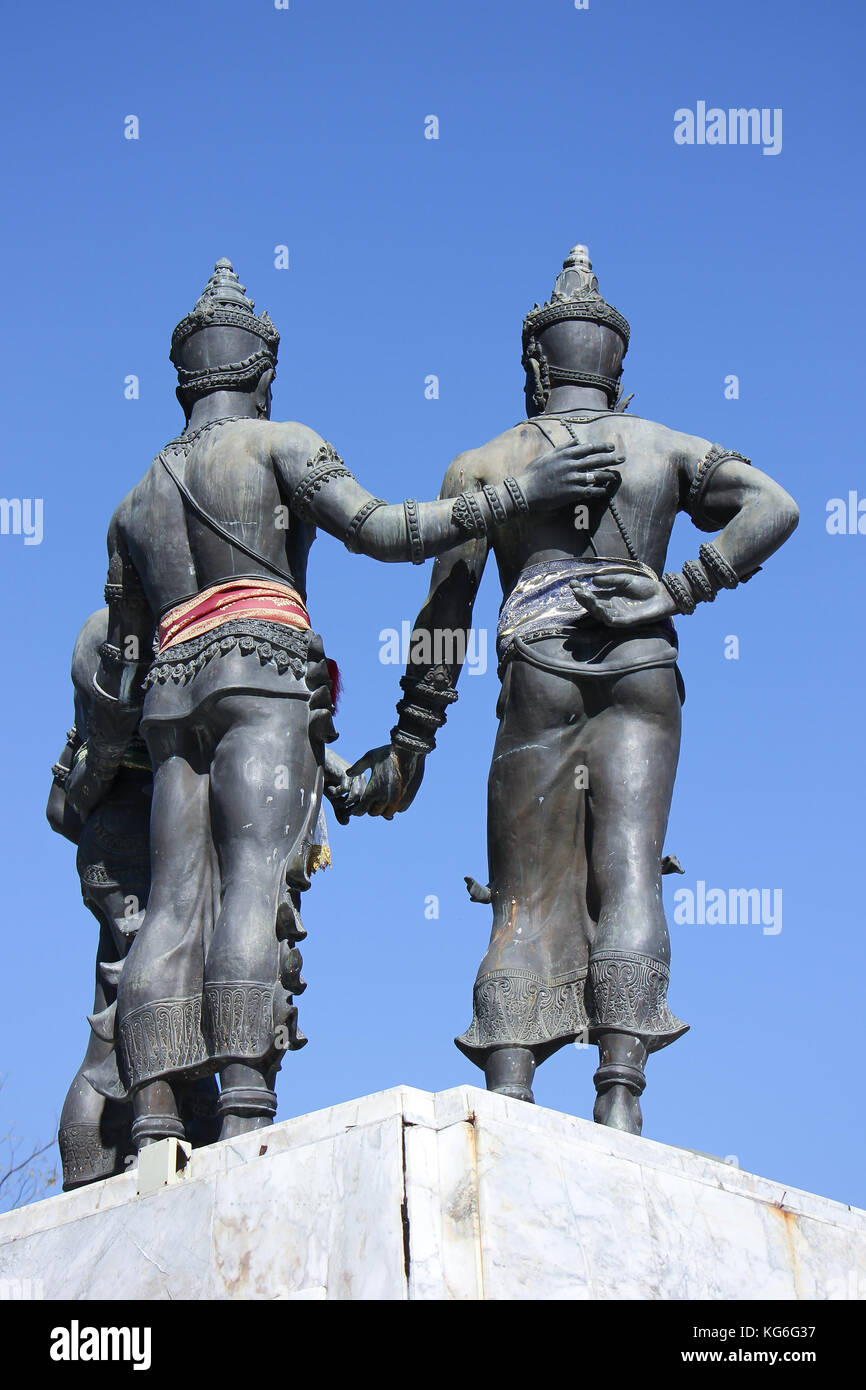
[[585, 597], [364, 764], [587, 450], [355, 787]]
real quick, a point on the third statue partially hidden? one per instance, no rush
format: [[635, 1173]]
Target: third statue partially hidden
[[589, 712]]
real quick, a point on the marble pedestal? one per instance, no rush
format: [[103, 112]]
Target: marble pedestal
[[460, 1195]]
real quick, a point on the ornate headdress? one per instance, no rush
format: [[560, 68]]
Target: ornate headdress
[[208, 346], [575, 297]]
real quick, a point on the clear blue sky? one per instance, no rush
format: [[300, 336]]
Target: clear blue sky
[[408, 257]]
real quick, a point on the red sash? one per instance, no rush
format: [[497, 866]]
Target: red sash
[[233, 598]]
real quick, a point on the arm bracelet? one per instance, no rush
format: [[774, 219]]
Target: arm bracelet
[[468, 516], [700, 582], [494, 502], [413, 531], [353, 530], [515, 492], [701, 585], [680, 593], [421, 711], [434, 688], [413, 743], [62, 768], [720, 572], [321, 469]]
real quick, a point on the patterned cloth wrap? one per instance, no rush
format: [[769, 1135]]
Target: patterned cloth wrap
[[541, 604], [228, 601]]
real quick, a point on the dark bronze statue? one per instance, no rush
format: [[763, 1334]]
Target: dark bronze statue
[[113, 863], [589, 713], [207, 564]]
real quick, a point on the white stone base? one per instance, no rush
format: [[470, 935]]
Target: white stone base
[[461, 1195]]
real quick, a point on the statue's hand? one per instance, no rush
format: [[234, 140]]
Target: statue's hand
[[395, 776], [620, 599], [84, 789], [341, 788], [573, 473]]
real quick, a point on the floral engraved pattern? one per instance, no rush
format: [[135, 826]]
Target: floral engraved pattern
[[239, 1019], [520, 1008], [160, 1038], [84, 1156], [629, 991]]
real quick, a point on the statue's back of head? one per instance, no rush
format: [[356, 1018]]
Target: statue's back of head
[[576, 338], [222, 344]]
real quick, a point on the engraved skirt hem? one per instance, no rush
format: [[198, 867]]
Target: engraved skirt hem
[[627, 993], [520, 1009]]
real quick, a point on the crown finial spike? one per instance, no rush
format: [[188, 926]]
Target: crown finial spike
[[577, 259]]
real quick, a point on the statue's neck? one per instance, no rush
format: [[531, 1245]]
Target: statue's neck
[[220, 404], [573, 398]]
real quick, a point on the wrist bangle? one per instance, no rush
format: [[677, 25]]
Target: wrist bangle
[[434, 688], [717, 567], [701, 585], [680, 593], [515, 492], [494, 502], [413, 743], [468, 517]]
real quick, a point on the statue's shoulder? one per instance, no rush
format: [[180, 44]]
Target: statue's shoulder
[[127, 508], [85, 653], [494, 460], [293, 445], [676, 445]]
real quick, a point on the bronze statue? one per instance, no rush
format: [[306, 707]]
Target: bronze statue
[[207, 562], [589, 712]]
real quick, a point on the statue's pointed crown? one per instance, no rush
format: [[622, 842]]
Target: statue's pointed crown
[[224, 303], [575, 296]]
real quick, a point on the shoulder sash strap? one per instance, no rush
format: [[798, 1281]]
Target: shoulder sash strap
[[219, 529]]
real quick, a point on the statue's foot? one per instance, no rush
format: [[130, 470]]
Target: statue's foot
[[509, 1072], [234, 1125], [247, 1107], [514, 1092], [619, 1108]]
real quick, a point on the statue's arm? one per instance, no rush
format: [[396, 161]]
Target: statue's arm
[[756, 514], [116, 696], [722, 492], [60, 815], [324, 492], [718, 489], [437, 653]]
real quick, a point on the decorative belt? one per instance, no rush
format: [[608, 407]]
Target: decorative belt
[[227, 602]]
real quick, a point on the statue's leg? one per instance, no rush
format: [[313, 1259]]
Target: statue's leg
[[632, 747], [262, 774], [159, 994], [529, 993], [94, 1133]]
